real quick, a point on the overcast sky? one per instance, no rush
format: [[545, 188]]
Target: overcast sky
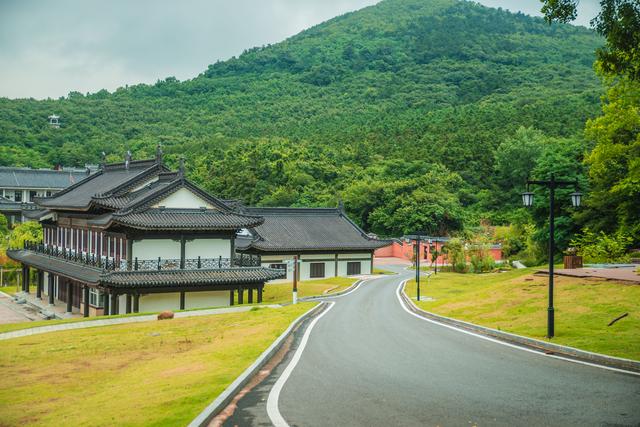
[[49, 48]]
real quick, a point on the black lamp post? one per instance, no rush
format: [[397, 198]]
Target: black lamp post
[[527, 200]]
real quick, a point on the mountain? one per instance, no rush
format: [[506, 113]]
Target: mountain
[[414, 94]]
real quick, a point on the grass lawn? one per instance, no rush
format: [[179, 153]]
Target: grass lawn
[[152, 373], [7, 327], [12, 290], [516, 302], [281, 292]]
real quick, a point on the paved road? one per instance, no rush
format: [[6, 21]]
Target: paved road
[[369, 363]]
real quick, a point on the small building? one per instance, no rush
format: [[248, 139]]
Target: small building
[[404, 248], [19, 187], [137, 237], [326, 242]]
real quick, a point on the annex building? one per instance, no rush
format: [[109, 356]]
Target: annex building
[[138, 237], [19, 187], [326, 242]]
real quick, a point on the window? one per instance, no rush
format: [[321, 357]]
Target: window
[[17, 196], [96, 298], [353, 268], [32, 195], [279, 266], [316, 269]]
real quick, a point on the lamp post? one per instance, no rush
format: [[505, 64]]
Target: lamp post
[[527, 200], [417, 245]]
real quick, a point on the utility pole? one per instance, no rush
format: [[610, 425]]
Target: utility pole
[[295, 279], [418, 268]]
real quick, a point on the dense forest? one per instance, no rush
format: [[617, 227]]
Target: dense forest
[[420, 115]]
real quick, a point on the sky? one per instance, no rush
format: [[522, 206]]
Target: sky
[[48, 49]]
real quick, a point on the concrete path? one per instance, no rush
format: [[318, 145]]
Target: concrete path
[[368, 362], [122, 320], [11, 313], [626, 274]]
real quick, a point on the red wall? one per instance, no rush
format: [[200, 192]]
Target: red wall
[[405, 250]]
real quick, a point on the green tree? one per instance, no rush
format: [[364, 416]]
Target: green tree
[[614, 164], [27, 231], [619, 22]]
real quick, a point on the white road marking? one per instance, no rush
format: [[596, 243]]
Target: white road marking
[[402, 304], [274, 395]]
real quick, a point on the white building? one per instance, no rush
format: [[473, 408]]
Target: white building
[[326, 242]]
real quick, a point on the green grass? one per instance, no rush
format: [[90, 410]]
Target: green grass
[[516, 302], [276, 293], [12, 290], [7, 327], [273, 294], [151, 373]]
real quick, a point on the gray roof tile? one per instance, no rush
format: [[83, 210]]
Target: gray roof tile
[[307, 229], [39, 178]]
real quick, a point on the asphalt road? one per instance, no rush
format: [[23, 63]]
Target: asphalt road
[[368, 362]]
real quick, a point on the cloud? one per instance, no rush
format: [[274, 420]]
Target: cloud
[[48, 49]]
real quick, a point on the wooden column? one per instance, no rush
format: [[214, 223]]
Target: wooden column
[[86, 302], [260, 293], [136, 303], [182, 295], [114, 303], [240, 296], [40, 284], [336, 266], [372, 253], [128, 307], [50, 284], [25, 279], [231, 297], [106, 303], [69, 297], [183, 246], [250, 295]]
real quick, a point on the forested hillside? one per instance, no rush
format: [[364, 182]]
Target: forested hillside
[[419, 114]]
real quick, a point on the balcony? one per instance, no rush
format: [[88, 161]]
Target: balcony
[[157, 264]]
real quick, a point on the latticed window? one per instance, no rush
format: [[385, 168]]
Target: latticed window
[[316, 269], [353, 268]]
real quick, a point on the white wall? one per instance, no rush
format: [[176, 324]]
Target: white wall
[[329, 263], [207, 248], [154, 248], [122, 304], [159, 302], [267, 260], [206, 299], [327, 259], [183, 198], [365, 266]]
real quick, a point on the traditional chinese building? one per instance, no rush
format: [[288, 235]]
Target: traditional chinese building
[[137, 237], [19, 187], [326, 242]]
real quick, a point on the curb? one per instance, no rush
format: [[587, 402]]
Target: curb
[[337, 294], [229, 393], [542, 347]]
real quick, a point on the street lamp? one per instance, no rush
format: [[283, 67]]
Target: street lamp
[[527, 200]]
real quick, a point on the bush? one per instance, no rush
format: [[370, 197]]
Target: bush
[[601, 247]]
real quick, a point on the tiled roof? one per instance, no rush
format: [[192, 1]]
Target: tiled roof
[[39, 178], [178, 219], [177, 278], [307, 229], [57, 265], [80, 196]]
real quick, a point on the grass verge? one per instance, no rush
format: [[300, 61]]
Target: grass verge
[[516, 302], [275, 293], [151, 373]]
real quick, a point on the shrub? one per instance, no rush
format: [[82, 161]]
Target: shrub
[[601, 247]]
